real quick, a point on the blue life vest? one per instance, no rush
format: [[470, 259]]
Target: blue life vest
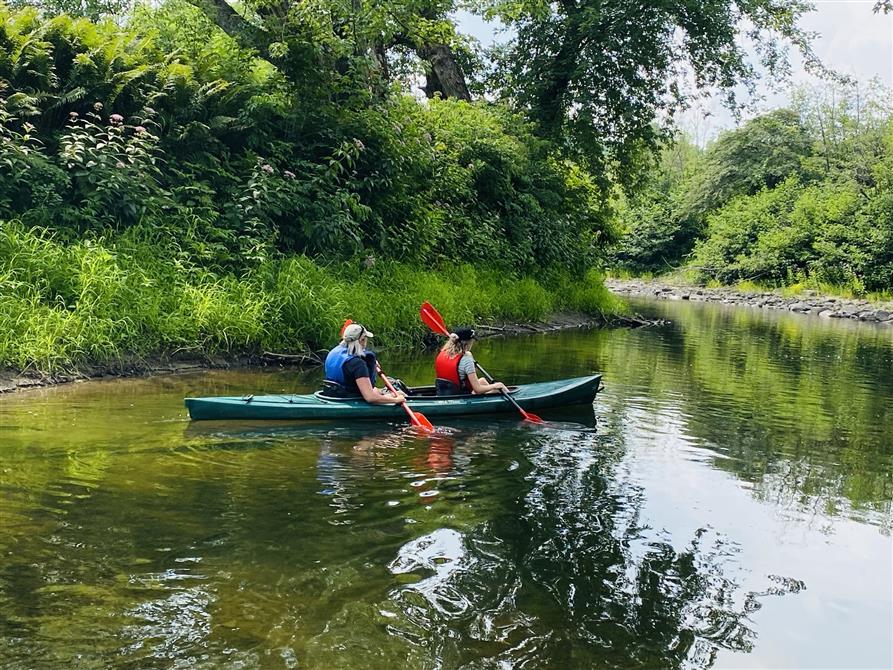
[[336, 359]]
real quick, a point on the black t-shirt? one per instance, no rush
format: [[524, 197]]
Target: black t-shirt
[[354, 368]]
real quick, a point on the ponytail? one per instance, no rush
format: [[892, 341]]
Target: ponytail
[[453, 346]]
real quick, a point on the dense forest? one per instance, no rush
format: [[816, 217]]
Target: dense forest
[[800, 195], [202, 177]]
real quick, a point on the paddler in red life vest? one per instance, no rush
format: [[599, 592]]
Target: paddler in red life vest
[[350, 370], [454, 367]]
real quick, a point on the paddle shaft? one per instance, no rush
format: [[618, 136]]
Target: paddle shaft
[[503, 391], [417, 419]]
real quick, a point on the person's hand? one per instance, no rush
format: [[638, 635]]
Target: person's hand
[[398, 396]]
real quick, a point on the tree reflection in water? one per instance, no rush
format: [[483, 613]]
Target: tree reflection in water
[[567, 575]]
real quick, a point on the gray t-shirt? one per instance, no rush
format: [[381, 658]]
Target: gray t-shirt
[[466, 366]]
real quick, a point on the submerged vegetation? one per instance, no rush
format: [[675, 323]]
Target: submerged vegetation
[[205, 177]]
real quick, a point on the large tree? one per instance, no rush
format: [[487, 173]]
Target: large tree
[[601, 78], [599, 75], [348, 32]]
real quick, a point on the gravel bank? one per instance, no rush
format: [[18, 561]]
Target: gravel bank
[[807, 303]]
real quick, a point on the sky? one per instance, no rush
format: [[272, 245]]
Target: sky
[[852, 40]]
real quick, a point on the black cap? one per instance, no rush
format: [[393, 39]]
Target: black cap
[[466, 334]]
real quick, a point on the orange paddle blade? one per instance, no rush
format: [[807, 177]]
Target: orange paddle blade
[[420, 421], [417, 419], [530, 416], [432, 318]]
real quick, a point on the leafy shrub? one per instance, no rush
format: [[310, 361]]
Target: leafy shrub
[[828, 232], [115, 172], [169, 122], [656, 232], [761, 154]]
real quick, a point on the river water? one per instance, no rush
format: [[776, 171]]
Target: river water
[[725, 503]]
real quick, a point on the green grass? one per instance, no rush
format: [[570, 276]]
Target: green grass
[[626, 273], [849, 292], [63, 304]]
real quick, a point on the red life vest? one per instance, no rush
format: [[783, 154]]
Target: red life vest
[[447, 367]]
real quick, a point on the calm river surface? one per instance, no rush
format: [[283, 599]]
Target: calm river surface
[[726, 503]]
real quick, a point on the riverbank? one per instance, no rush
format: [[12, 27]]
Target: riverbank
[[69, 305], [807, 302], [18, 380]]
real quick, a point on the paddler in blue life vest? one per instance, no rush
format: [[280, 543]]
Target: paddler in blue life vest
[[350, 370], [454, 367]]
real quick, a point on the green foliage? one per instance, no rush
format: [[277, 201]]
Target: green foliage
[[115, 171], [745, 222], [847, 124], [792, 196], [101, 300], [762, 153], [91, 9], [656, 231], [829, 232], [597, 75], [169, 121]]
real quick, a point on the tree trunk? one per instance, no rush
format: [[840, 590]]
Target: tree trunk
[[550, 103], [381, 59], [446, 75], [236, 26]]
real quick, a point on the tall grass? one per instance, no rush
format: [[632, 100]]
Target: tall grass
[[64, 304]]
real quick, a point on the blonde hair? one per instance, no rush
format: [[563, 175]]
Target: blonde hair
[[454, 347], [354, 348]]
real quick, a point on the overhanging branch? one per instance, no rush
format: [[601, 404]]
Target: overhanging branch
[[236, 26]]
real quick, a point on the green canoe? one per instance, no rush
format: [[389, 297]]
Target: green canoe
[[560, 393]]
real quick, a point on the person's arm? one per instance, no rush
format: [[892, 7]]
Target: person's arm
[[478, 385], [371, 395], [482, 386]]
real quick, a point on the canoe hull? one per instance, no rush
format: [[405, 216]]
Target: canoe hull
[[561, 393]]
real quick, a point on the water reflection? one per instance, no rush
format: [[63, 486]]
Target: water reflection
[[795, 405], [571, 567], [440, 453], [732, 508]]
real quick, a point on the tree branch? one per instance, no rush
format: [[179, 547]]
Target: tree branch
[[236, 26]]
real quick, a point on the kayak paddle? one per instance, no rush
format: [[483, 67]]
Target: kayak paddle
[[432, 318], [417, 419]]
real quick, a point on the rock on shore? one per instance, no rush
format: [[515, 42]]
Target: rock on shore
[[808, 302]]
